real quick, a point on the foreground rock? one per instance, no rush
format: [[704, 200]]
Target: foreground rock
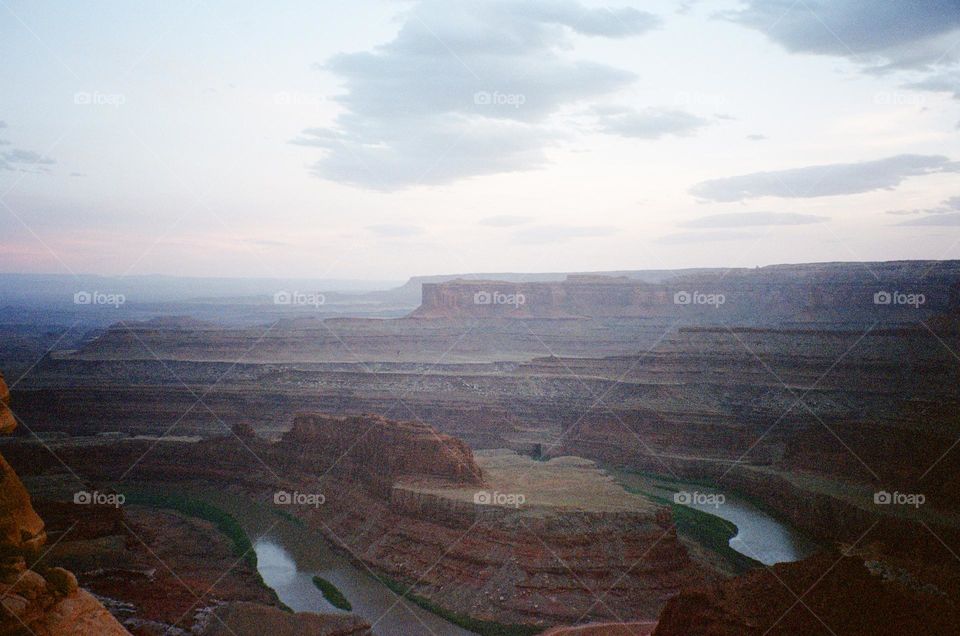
[[837, 595], [251, 619], [36, 599]]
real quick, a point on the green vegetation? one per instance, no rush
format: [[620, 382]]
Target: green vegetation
[[295, 520], [484, 628], [706, 529], [225, 523], [330, 592]]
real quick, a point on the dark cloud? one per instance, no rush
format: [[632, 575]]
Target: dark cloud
[[560, 233], [464, 89], [395, 231], [879, 34], [753, 219], [505, 220], [943, 82], [824, 180], [649, 123]]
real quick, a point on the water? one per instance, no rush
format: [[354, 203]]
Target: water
[[288, 557], [760, 536]]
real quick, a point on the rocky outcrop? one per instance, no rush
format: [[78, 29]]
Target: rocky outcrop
[[251, 619], [644, 628], [825, 594], [35, 598], [379, 448]]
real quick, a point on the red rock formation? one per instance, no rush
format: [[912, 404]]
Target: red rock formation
[[838, 595], [251, 619], [45, 602], [383, 448]]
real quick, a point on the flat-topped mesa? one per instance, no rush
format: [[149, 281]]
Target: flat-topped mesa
[[824, 292], [576, 297], [389, 447]]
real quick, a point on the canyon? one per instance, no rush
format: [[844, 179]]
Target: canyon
[[810, 390]]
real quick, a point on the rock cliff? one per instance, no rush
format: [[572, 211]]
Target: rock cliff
[[825, 594], [35, 598]]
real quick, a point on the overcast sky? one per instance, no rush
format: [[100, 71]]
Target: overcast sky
[[386, 139]]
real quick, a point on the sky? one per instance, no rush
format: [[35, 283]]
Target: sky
[[385, 139]]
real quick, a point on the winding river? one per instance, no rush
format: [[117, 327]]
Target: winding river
[[760, 536], [289, 556]]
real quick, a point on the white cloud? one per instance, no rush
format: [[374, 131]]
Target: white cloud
[[824, 180], [464, 89], [753, 219]]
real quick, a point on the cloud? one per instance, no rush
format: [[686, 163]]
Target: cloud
[[942, 82], [824, 180], [948, 219], [753, 219], [560, 233], [464, 89], [679, 238], [756, 137], [649, 123], [878, 34], [18, 159], [950, 205], [24, 160], [504, 220], [395, 231]]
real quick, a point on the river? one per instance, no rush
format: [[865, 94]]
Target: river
[[289, 556], [760, 536]]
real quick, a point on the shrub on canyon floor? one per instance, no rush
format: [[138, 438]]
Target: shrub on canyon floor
[[330, 592]]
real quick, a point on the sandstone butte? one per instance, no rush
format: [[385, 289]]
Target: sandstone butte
[[400, 495], [41, 601]]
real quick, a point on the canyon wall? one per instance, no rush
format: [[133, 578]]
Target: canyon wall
[[35, 598]]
